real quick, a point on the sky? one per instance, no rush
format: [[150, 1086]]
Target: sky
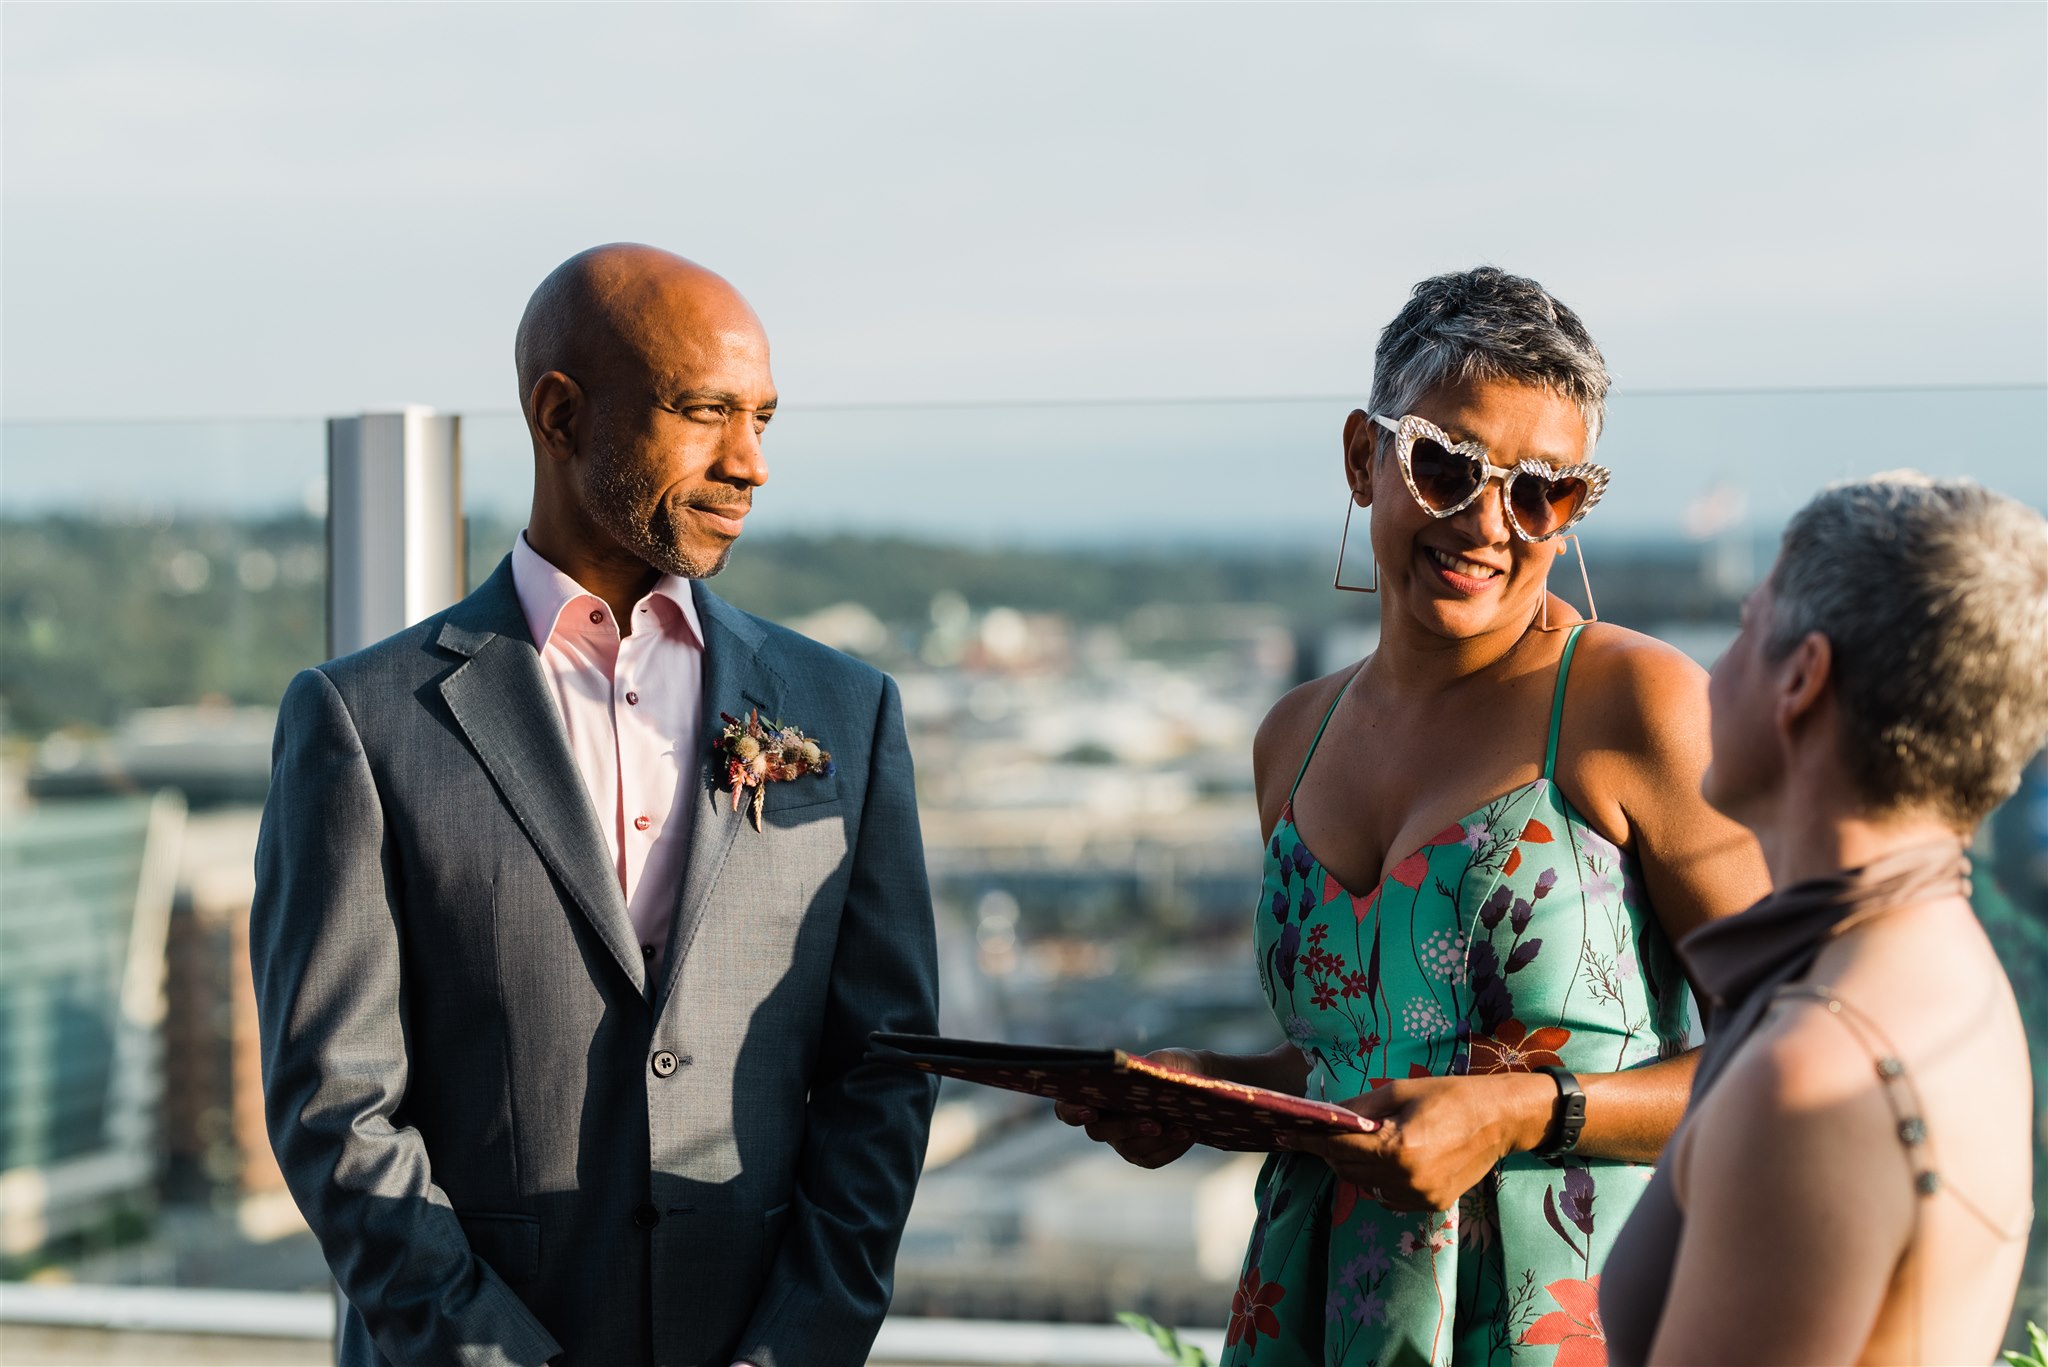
[[262, 211]]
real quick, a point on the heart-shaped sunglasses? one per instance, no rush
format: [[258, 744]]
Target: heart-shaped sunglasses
[[1447, 476]]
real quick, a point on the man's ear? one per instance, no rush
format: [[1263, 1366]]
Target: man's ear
[[553, 410], [1360, 441], [1803, 678]]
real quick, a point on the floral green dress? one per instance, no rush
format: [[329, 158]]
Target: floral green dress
[[1517, 938]]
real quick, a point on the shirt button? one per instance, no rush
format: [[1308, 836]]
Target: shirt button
[[647, 952], [641, 823], [664, 1064], [632, 699], [596, 616], [645, 1216]]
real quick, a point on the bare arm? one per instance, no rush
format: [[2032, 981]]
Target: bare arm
[[1798, 1207]]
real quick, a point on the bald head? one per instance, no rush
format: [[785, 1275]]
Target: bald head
[[603, 311], [645, 385]]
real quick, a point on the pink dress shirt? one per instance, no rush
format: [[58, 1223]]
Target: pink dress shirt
[[631, 708]]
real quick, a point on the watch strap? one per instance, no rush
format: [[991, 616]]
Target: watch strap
[[1568, 1118]]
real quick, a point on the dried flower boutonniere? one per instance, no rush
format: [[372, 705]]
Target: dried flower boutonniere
[[758, 753]]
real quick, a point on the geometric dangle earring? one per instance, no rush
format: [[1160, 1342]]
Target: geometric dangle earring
[[1338, 581], [1592, 612]]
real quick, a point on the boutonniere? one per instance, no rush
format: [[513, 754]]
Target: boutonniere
[[758, 753]]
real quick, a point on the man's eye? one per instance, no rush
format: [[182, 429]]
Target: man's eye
[[706, 412]]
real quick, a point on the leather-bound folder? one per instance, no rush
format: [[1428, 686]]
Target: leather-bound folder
[[1223, 1115]]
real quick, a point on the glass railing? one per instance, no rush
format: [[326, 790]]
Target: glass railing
[[1089, 607]]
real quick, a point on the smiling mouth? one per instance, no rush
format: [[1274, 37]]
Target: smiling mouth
[[1458, 564], [725, 517]]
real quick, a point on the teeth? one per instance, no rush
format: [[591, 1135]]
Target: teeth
[[1457, 564]]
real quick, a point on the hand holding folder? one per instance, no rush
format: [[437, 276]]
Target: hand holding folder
[[1220, 1114]]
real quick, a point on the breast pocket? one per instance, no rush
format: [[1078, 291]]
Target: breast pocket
[[799, 794]]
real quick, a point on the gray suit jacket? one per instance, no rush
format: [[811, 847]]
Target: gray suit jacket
[[510, 1143]]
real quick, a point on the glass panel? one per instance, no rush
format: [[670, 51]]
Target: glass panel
[[1088, 606]]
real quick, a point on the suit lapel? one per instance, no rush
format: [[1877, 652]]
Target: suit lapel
[[499, 698], [736, 678]]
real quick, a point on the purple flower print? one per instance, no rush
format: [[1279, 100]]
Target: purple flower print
[[1290, 946], [1302, 859], [1578, 1198], [1280, 906], [1476, 835], [1519, 917], [1308, 901], [1602, 886], [1374, 1260], [1524, 953], [1276, 848], [1596, 848], [1550, 1214], [1496, 906], [1494, 1004], [1369, 1308], [1545, 881]]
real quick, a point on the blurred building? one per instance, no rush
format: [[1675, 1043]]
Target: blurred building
[[214, 1135], [88, 888]]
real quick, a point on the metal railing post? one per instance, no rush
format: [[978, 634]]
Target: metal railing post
[[394, 522]]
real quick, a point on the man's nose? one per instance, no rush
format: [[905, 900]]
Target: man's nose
[[740, 458]]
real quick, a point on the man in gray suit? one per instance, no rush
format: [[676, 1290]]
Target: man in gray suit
[[562, 1047]]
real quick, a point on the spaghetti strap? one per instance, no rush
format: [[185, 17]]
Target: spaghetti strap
[[1564, 668], [1302, 772]]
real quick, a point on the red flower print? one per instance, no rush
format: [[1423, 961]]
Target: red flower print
[[1343, 1203], [1514, 861], [1323, 997], [1536, 833], [1449, 835], [1575, 1329], [1409, 872], [1318, 934], [1332, 889], [1515, 1049], [1251, 1310], [1354, 985], [1361, 907], [1414, 1070]]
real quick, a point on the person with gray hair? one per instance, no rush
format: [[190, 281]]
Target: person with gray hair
[[1473, 878], [1851, 1181]]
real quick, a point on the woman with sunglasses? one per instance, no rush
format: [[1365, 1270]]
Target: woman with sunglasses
[[1851, 1182], [1474, 874]]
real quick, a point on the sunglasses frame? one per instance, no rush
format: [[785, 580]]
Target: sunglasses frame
[[1410, 427]]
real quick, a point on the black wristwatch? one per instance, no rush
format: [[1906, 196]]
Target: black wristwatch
[[1569, 1117]]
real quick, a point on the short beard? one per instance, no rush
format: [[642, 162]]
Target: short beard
[[628, 505]]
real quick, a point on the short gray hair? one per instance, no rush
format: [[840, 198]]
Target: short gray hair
[[1933, 596], [1485, 324]]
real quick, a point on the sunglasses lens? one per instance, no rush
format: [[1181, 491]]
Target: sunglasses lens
[[1543, 505], [1442, 479]]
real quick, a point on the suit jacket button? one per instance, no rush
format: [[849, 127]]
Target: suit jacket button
[[664, 1063], [645, 1217]]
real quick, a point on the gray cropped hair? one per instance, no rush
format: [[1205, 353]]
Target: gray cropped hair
[[1485, 324], [1933, 596]]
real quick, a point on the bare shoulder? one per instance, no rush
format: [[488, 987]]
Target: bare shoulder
[[1635, 693], [1801, 1100], [1284, 736]]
